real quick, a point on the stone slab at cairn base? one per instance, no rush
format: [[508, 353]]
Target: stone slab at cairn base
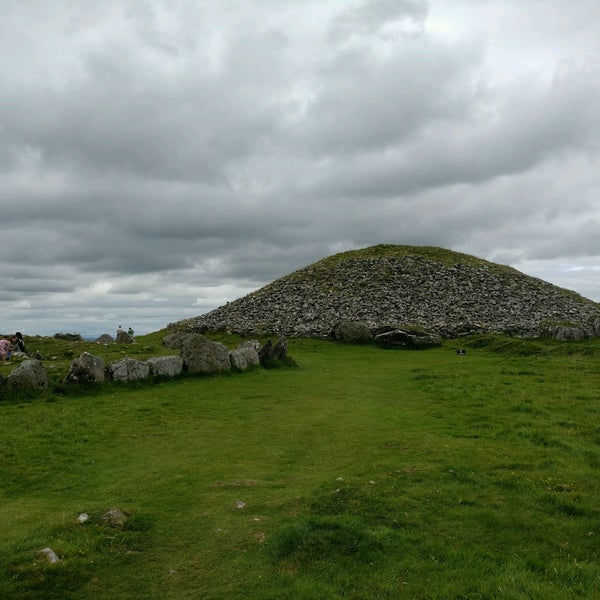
[[410, 340], [353, 332]]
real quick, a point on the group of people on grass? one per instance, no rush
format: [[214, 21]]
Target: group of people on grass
[[10, 345]]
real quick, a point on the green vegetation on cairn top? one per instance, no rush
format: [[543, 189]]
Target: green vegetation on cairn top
[[431, 253], [363, 473]]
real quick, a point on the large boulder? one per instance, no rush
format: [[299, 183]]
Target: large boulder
[[243, 358], [124, 338], [408, 339], [166, 366], [29, 375], [353, 332], [175, 340], [201, 355], [86, 369], [128, 369]]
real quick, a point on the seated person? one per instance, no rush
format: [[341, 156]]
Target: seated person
[[5, 350], [19, 342]]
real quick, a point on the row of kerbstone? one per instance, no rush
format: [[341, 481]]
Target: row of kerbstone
[[197, 354]]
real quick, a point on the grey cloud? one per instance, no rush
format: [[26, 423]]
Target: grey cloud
[[369, 17], [157, 159]]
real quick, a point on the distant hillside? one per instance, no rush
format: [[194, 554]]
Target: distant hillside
[[437, 289]]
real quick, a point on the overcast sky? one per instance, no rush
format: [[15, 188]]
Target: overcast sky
[[160, 158]]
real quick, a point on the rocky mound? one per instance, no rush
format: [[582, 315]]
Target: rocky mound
[[439, 290]]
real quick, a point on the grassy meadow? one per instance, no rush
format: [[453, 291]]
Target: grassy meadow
[[360, 474]]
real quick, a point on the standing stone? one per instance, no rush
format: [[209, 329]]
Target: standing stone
[[280, 351]]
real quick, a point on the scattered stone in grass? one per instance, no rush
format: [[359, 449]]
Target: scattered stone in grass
[[114, 517], [240, 504], [82, 517], [50, 555]]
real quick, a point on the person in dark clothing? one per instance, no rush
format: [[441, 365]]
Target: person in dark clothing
[[19, 342]]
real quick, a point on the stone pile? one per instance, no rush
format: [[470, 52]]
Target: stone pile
[[454, 296]]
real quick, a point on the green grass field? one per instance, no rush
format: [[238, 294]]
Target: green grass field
[[360, 474]]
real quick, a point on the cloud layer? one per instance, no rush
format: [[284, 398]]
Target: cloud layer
[[158, 159]]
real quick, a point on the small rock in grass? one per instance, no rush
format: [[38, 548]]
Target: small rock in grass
[[114, 517], [50, 555]]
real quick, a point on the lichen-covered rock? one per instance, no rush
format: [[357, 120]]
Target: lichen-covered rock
[[201, 355], [166, 366], [29, 375], [128, 369], [86, 369]]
